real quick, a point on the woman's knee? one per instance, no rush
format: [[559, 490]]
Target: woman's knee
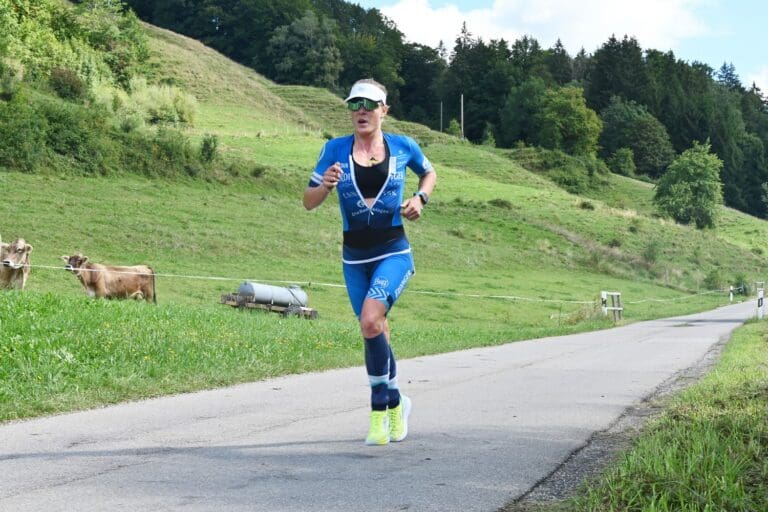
[[373, 321], [371, 326]]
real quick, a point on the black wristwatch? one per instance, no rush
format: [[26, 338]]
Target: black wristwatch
[[423, 196]]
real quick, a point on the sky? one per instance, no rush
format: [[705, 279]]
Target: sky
[[709, 31]]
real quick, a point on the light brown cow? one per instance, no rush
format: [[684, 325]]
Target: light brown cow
[[110, 282], [14, 261]]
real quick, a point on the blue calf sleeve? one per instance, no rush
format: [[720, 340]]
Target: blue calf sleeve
[[377, 364]]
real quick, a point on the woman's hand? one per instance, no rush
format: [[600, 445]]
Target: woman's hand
[[411, 208], [314, 196], [331, 176]]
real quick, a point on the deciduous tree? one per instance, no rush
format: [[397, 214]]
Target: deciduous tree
[[305, 52], [690, 191], [629, 125], [565, 122]]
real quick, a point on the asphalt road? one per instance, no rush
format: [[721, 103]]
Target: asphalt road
[[487, 425]]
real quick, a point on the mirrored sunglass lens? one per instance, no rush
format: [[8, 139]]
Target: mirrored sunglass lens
[[367, 104]]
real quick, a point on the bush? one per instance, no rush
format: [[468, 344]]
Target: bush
[[67, 84], [454, 128], [209, 148], [651, 251], [166, 152], [107, 26], [130, 121], [501, 203], [488, 139], [162, 103], [80, 134], [171, 148], [570, 179], [741, 285], [714, 280], [22, 134], [9, 82], [622, 161], [185, 105]]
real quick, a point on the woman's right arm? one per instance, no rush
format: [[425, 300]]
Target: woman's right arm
[[314, 196]]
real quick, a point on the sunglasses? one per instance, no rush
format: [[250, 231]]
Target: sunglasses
[[367, 104]]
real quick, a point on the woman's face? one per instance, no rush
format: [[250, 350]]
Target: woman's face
[[367, 122]]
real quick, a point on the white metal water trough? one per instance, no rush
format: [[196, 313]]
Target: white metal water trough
[[291, 301]]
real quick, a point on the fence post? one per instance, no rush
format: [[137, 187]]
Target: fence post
[[616, 307]]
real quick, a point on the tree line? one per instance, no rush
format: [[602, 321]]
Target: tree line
[[634, 108]]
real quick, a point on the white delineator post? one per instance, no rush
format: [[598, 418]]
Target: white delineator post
[[731, 294], [760, 304]]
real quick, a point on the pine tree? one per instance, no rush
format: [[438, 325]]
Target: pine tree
[[559, 64]]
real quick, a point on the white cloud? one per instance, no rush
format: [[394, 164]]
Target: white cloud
[[760, 78], [659, 24], [424, 24]]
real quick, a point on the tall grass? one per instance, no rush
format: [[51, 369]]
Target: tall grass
[[59, 353], [708, 451]]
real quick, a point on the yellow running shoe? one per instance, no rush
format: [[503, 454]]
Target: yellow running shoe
[[378, 432], [398, 419]]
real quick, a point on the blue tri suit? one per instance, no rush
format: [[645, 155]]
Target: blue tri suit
[[376, 255]]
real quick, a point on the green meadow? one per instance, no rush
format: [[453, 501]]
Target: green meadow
[[504, 252]]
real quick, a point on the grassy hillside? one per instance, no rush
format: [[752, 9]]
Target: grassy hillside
[[502, 253]]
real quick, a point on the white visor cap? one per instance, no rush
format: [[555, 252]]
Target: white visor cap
[[368, 91]]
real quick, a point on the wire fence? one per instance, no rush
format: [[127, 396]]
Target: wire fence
[[128, 271]]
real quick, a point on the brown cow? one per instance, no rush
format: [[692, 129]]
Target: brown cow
[[105, 281], [14, 258]]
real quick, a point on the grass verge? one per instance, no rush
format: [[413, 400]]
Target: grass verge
[[708, 451], [61, 352]]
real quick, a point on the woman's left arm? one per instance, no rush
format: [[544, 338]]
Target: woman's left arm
[[411, 207], [427, 182]]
